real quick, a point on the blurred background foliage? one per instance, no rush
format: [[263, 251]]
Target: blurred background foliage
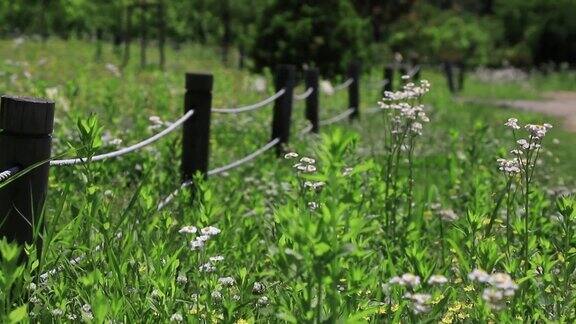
[[261, 33]]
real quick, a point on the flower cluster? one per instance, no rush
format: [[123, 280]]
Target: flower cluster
[[199, 242], [406, 279], [501, 287], [306, 165], [420, 302]]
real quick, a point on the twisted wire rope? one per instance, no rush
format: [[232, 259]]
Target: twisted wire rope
[[5, 175], [344, 85], [304, 95], [126, 150], [414, 70], [255, 106], [337, 118]]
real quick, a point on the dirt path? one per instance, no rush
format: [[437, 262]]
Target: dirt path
[[560, 104]]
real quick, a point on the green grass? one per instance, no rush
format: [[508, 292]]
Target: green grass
[[329, 264]]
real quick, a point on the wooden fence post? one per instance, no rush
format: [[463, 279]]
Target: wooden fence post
[[127, 35], [25, 139], [461, 75], [143, 37], [284, 79], [388, 76], [162, 34], [448, 70], [196, 130], [312, 102], [354, 72]]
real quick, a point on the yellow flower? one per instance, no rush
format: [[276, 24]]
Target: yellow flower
[[455, 307], [458, 280], [395, 308], [447, 318], [382, 310], [469, 288], [463, 316], [437, 299], [242, 321]]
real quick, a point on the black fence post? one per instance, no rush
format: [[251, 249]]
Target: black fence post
[[143, 37], [448, 70], [388, 76], [25, 140], [354, 70], [461, 75], [196, 130], [312, 102], [162, 34], [127, 35], [284, 79]]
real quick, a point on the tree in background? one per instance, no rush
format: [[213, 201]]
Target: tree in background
[[326, 34]]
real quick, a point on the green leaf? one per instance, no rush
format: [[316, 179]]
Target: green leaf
[[19, 314]]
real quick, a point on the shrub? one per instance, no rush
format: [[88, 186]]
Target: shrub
[[295, 32]]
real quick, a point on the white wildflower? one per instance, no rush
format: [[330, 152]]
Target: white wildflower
[[227, 281], [512, 123], [176, 317], [258, 288], [188, 230], [210, 231], [479, 275], [217, 258], [290, 155], [263, 301], [437, 280]]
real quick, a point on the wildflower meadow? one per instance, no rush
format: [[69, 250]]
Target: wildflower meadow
[[428, 207]]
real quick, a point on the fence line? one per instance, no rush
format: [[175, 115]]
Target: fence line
[[126, 150], [337, 118], [414, 71], [15, 119], [344, 85], [304, 95], [255, 106], [5, 175]]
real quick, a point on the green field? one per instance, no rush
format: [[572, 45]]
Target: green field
[[343, 252]]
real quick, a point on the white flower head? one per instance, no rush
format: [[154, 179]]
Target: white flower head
[[188, 230], [437, 280], [227, 281], [512, 123], [210, 231]]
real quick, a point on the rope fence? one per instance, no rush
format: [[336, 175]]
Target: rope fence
[[27, 126], [5, 175], [126, 150], [303, 96], [344, 85], [337, 118], [255, 106]]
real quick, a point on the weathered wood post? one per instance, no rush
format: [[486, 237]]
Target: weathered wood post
[[196, 130], [388, 76], [127, 35], [25, 140], [143, 37], [162, 34], [354, 70], [312, 102], [283, 80], [461, 75], [449, 72]]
